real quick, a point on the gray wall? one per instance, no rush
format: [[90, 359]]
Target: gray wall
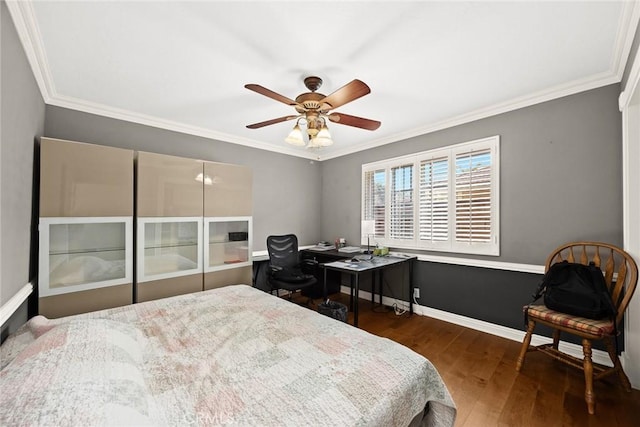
[[285, 188], [560, 174], [573, 192], [22, 121], [560, 181]]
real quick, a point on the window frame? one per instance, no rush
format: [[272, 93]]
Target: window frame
[[490, 247]]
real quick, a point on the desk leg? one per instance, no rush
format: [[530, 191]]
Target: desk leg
[[410, 287], [373, 288], [351, 292], [324, 285], [381, 280], [355, 305]]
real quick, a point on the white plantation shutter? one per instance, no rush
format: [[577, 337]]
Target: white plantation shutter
[[374, 203], [473, 196], [401, 212], [445, 199], [434, 200]]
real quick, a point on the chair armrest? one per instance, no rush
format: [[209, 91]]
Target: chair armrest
[[309, 266], [273, 269]]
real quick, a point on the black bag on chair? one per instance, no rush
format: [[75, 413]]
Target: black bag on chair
[[576, 289]]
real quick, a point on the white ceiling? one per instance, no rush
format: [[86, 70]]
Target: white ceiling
[[430, 65]]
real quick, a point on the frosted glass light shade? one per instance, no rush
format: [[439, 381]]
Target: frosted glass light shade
[[295, 137], [323, 139]]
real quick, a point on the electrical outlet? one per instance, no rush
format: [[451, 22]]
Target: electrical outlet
[[416, 292]]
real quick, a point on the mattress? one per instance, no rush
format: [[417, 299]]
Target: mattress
[[228, 356]]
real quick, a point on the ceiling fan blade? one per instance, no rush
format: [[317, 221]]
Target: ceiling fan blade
[[347, 93], [271, 122], [271, 94], [359, 122]]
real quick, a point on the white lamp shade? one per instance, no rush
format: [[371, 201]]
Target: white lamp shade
[[295, 137], [323, 139], [368, 227], [313, 143]]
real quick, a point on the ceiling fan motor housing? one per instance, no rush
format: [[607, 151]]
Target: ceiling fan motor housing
[[311, 101]]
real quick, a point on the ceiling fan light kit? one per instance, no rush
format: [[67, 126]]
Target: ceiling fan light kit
[[295, 137], [313, 111], [323, 138]]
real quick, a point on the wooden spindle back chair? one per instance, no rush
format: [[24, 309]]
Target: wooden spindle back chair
[[621, 276]]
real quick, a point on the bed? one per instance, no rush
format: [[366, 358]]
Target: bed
[[228, 356]]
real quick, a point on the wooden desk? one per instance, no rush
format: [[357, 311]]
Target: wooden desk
[[375, 264], [317, 291], [332, 283]]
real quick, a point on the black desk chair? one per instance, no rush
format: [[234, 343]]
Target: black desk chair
[[286, 270]]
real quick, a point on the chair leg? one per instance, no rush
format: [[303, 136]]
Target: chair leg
[[589, 396], [556, 338], [525, 344], [611, 349]]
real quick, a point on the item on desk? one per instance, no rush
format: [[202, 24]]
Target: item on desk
[[381, 251], [349, 249], [320, 247], [369, 251]]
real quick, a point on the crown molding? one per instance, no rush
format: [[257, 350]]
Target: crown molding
[[633, 80], [143, 119], [559, 91], [627, 27], [632, 84], [23, 17], [24, 20]]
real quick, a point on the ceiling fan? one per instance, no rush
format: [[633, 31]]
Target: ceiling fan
[[314, 109]]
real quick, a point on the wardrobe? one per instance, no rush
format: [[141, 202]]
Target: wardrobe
[[85, 260], [119, 227]]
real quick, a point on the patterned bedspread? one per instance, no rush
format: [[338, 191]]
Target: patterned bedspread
[[229, 356]]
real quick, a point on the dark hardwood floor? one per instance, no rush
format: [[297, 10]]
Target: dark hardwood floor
[[479, 371]]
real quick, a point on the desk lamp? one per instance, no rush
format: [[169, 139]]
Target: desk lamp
[[368, 229]]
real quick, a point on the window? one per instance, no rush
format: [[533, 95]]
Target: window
[[434, 200], [374, 190], [444, 200], [401, 198]]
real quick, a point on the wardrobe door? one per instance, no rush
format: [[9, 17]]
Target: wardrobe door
[[228, 251], [86, 227], [169, 226], [228, 226], [227, 190], [84, 180], [169, 186]]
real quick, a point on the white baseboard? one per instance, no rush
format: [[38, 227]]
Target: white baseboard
[[598, 356], [631, 370], [8, 308]]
